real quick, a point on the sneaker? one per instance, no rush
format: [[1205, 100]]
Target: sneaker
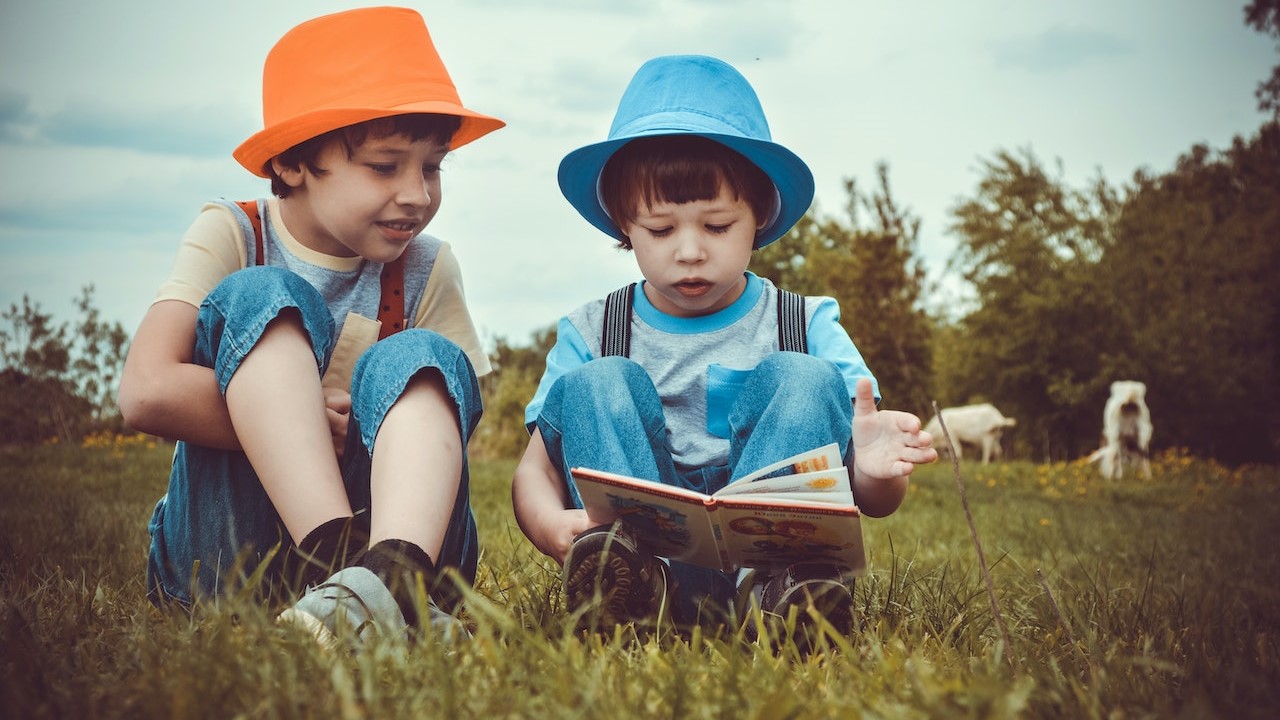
[[808, 587], [611, 581], [444, 627], [408, 572], [350, 607]]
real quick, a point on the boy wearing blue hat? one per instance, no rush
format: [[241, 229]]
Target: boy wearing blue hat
[[312, 352], [703, 372]]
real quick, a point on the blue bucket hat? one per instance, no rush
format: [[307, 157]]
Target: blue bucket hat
[[691, 95]]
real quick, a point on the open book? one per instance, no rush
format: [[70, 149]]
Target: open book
[[798, 510]]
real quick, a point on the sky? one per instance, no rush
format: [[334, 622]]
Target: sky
[[117, 119]]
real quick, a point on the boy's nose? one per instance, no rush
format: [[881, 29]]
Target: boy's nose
[[413, 190], [688, 247]]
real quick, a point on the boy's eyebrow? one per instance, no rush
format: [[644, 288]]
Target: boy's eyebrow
[[377, 147], [714, 210]]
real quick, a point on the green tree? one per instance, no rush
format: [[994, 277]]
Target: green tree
[[97, 351], [1173, 285], [58, 380], [1264, 16], [1028, 246], [871, 268], [506, 391], [1194, 270]]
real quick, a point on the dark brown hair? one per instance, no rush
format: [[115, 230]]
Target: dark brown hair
[[680, 169], [417, 126]]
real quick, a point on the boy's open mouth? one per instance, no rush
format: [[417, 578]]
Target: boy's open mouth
[[693, 288]]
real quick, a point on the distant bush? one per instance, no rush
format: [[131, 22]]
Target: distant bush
[[58, 380], [505, 392]]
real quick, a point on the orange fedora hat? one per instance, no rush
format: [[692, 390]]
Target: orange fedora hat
[[349, 67]]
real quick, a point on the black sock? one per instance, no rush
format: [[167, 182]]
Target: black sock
[[328, 548], [398, 563]]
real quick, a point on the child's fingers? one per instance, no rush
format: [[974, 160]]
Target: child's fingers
[[864, 401], [906, 422]]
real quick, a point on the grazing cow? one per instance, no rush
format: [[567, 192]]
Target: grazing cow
[[980, 425], [1126, 431]]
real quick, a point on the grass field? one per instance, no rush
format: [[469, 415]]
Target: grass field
[[1155, 598]]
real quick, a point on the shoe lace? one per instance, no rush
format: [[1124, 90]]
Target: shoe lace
[[350, 595]]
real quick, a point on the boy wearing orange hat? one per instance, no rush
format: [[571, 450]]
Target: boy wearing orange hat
[[703, 372], [312, 352]]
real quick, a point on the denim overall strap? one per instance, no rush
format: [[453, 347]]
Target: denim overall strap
[[792, 329], [615, 338]]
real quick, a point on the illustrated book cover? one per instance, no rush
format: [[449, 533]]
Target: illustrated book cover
[[799, 509]]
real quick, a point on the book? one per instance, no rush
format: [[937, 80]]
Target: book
[[797, 510]]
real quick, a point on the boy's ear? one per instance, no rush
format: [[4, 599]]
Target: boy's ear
[[760, 221], [289, 175]]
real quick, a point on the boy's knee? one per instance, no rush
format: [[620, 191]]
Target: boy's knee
[[612, 386], [607, 372], [408, 352], [421, 340], [236, 314], [604, 378], [262, 280], [385, 370], [791, 369], [265, 289]]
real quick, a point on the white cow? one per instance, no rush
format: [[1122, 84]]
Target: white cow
[[1126, 431], [980, 425]]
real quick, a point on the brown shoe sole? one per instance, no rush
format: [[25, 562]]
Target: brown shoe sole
[[607, 575]]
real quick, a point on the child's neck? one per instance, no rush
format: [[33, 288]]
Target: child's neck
[[732, 298]]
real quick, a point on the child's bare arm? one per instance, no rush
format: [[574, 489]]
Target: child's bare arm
[[162, 392], [888, 444], [539, 498]]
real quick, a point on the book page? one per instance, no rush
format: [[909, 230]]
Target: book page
[[672, 522], [773, 536], [820, 486], [823, 458]]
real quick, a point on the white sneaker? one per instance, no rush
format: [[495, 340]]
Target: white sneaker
[[350, 607]]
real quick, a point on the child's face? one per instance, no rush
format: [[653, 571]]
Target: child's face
[[693, 255], [370, 204]]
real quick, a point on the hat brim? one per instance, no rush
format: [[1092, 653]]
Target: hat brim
[[257, 151], [579, 177]]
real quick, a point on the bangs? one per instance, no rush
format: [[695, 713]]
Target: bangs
[[416, 126], [680, 169]]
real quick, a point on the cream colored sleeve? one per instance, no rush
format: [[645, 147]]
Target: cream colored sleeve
[[444, 309], [212, 248]]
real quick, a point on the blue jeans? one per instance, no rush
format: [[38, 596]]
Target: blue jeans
[[607, 415], [215, 526]]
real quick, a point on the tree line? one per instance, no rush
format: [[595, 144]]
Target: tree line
[[58, 379], [1170, 279]]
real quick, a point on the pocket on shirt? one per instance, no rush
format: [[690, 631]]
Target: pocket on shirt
[[724, 385]]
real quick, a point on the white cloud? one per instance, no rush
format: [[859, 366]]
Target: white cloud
[[1059, 48], [117, 119]]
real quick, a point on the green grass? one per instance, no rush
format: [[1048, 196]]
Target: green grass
[[1167, 587]]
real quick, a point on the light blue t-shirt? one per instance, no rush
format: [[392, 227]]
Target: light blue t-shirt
[[698, 365]]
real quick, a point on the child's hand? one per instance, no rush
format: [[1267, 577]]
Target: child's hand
[[887, 443], [337, 408], [559, 530]]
